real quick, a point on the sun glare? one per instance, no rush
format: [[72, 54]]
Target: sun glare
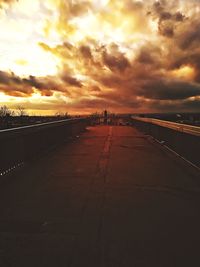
[[185, 72], [38, 63], [4, 98]]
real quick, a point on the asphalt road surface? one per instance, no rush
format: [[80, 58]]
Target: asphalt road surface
[[110, 198]]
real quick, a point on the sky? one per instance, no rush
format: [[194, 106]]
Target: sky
[[84, 56]]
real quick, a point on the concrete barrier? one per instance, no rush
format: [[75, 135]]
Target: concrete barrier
[[19, 145], [183, 139]]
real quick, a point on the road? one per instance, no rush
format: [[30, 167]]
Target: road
[[110, 198]]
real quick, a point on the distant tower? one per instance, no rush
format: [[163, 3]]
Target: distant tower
[[105, 117]]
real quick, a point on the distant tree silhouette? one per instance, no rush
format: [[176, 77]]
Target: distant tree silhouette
[[5, 115], [62, 115], [5, 112], [21, 111]]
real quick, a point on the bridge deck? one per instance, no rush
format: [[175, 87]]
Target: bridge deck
[[110, 198]]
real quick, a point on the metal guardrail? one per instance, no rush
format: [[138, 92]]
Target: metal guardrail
[[184, 128], [183, 139], [19, 145]]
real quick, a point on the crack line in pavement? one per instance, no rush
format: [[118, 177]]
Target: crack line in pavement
[[104, 158], [97, 184], [103, 166]]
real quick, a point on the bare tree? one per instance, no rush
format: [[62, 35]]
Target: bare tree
[[5, 112], [21, 111], [62, 114], [5, 117]]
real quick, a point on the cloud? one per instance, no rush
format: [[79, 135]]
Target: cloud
[[149, 54], [126, 55], [71, 80], [169, 90], [186, 105], [66, 12], [9, 78], [6, 2], [146, 77], [85, 52], [168, 16], [190, 36], [115, 61], [12, 84]]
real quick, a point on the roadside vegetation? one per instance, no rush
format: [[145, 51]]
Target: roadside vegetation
[[19, 117]]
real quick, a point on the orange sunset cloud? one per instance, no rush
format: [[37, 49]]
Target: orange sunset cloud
[[84, 56]]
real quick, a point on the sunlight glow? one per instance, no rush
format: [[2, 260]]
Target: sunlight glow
[[185, 72]]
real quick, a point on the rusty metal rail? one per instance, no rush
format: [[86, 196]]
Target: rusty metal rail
[[19, 145], [183, 139]]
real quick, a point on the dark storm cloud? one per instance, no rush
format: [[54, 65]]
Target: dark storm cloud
[[166, 29], [191, 104], [12, 84], [4, 77], [190, 36], [191, 58], [178, 16], [174, 106], [85, 51], [149, 54], [168, 17], [170, 90], [116, 62], [71, 80], [33, 82], [9, 78]]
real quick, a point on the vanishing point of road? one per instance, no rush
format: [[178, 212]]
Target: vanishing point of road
[[110, 198]]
